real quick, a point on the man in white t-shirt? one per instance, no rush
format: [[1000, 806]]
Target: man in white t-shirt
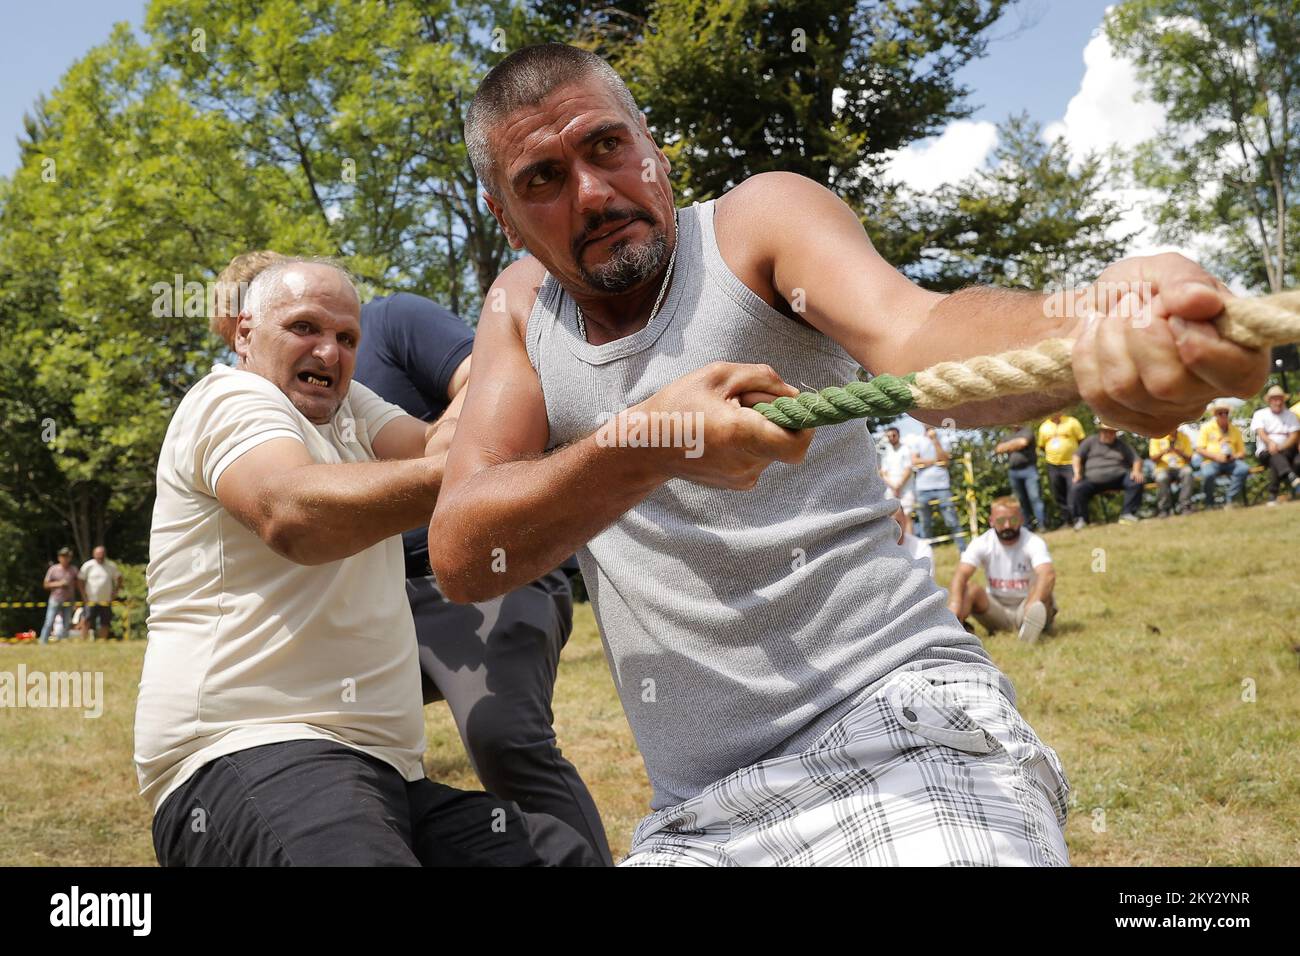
[[280, 701], [896, 470], [100, 581], [1020, 577], [1277, 442]]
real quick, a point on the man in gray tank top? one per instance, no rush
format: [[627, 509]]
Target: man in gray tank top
[[797, 687]]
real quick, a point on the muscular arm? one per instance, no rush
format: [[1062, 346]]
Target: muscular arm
[[793, 241], [408, 437], [1044, 580], [314, 513], [957, 589], [509, 512]]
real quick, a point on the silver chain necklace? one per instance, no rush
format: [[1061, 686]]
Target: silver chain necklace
[[663, 288]]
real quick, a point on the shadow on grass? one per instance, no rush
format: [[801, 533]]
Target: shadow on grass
[[1061, 629]]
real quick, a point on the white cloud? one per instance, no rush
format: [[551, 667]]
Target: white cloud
[[1110, 109], [958, 151]]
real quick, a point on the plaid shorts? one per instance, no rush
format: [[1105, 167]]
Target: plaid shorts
[[937, 768]]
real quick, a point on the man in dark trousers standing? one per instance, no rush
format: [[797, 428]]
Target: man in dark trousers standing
[[495, 662]]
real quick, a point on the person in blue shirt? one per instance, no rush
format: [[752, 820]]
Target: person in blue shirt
[[495, 663]]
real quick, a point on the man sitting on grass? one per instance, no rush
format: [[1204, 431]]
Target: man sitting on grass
[[1020, 575], [279, 719]]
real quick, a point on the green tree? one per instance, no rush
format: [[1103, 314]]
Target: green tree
[[824, 88], [1027, 220], [119, 191], [358, 109], [1228, 74]]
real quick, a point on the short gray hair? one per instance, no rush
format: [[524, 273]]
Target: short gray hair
[[525, 78], [261, 291]]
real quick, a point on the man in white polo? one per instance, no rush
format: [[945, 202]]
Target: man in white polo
[[1020, 575], [1277, 442], [280, 719]]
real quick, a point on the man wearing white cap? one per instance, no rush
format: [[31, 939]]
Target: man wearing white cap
[[1224, 453], [1277, 442]]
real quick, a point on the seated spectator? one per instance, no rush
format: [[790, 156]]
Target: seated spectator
[[1224, 453], [1019, 570], [916, 549], [1277, 442], [1104, 463], [1172, 456]]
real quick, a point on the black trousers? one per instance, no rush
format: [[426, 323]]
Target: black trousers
[[495, 663], [1060, 479], [1280, 466], [1082, 493], [318, 803]]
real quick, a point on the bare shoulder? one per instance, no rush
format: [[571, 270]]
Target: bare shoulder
[[513, 294], [772, 198], [762, 220]]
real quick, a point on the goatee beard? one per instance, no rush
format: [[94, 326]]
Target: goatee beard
[[629, 265]]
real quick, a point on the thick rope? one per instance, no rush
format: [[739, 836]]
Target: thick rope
[[1252, 323]]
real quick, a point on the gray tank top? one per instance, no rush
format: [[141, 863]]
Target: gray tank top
[[739, 625]]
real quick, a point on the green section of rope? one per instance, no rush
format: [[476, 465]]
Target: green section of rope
[[885, 396]]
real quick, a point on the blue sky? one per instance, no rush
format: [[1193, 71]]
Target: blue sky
[[1035, 64], [1035, 59]]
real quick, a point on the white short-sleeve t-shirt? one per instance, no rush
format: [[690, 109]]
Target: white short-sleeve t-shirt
[[98, 580], [247, 647], [896, 462], [1276, 426], [1009, 568]]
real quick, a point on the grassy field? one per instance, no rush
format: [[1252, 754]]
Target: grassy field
[[1171, 692]]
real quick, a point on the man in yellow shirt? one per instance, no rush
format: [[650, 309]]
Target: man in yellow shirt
[[1172, 456], [1221, 445], [1059, 438]]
